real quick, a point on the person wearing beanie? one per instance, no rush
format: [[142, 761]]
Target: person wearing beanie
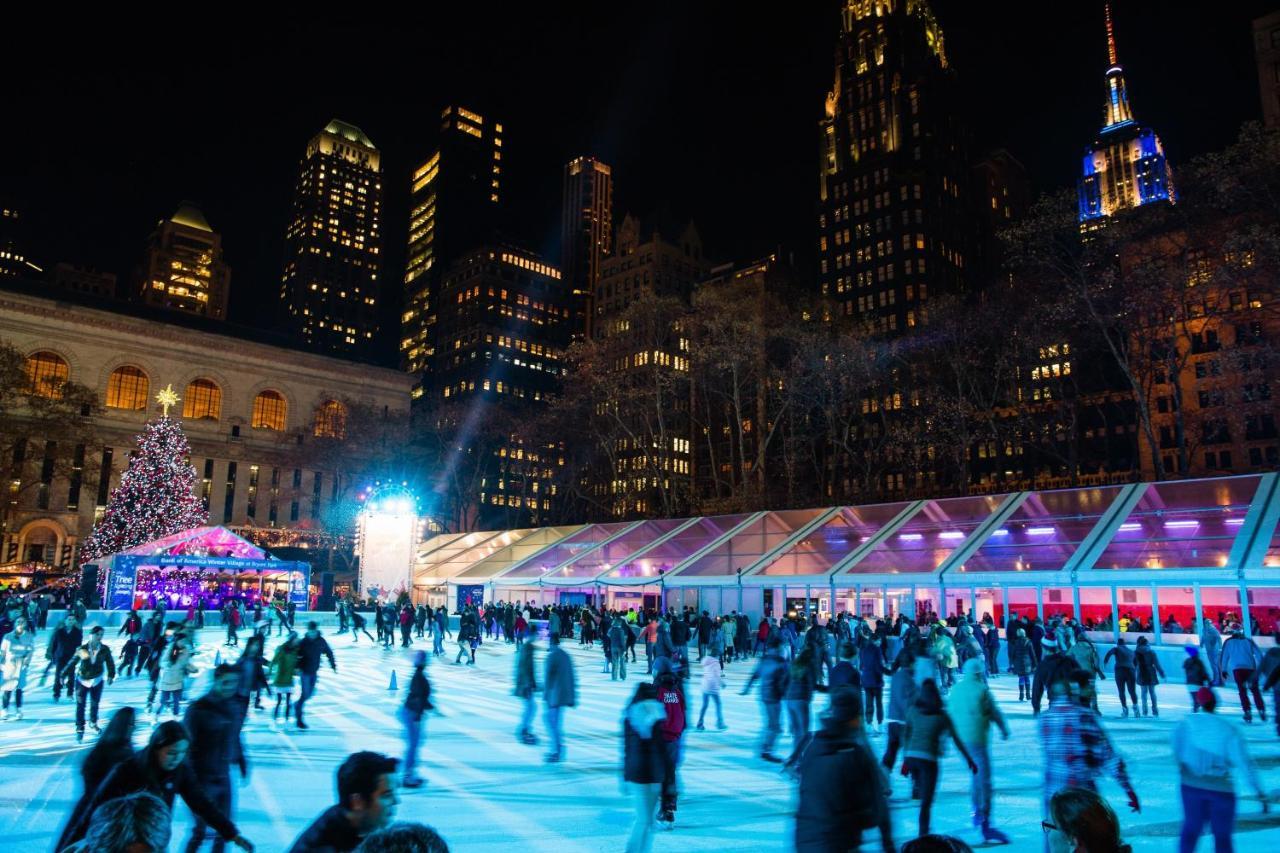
[[1126, 674], [1022, 662], [416, 705], [1054, 673], [843, 792], [1209, 750], [1197, 674]]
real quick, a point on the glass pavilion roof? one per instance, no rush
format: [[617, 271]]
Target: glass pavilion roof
[[1222, 523]]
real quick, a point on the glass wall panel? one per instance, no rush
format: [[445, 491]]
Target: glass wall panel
[[458, 560], [615, 554], [832, 541], [665, 557], [928, 604], [989, 603], [1264, 610], [1176, 612], [1095, 608], [504, 558], [1135, 609], [929, 536], [1022, 602], [750, 544], [1190, 524], [1221, 605], [1044, 532], [1057, 602]]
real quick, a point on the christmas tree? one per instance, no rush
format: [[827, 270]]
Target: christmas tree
[[156, 496]]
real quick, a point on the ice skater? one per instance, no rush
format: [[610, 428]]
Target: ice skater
[[416, 705], [526, 688], [560, 691], [310, 650], [284, 665], [16, 652], [360, 626]]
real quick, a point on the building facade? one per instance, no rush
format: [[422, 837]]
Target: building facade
[[586, 233], [250, 410], [454, 205], [74, 279], [1266, 48], [330, 290], [1125, 167], [894, 211], [183, 270]]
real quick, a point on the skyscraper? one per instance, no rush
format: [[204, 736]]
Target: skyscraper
[[183, 269], [13, 257], [893, 218], [586, 232], [330, 290], [453, 209], [1266, 49], [1125, 166]]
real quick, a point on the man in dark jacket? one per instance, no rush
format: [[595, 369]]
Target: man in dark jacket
[[367, 802], [843, 791], [310, 650], [1055, 672], [214, 723], [62, 645], [773, 674], [560, 691], [89, 666], [148, 637], [705, 627], [680, 639], [417, 703]]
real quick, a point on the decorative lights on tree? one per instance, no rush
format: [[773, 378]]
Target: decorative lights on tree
[[156, 496]]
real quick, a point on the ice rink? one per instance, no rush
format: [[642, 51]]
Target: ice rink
[[487, 791]]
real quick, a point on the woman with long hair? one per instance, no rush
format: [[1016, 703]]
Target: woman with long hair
[[174, 668], [161, 770], [1081, 821]]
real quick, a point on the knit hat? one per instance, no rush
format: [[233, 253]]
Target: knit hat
[[846, 704], [1192, 651], [420, 658]]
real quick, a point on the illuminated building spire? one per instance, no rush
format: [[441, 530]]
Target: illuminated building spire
[[1118, 113], [1111, 39]]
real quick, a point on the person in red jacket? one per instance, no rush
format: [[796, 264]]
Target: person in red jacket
[[671, 730]]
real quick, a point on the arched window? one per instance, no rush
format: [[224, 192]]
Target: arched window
[[47, 372], [127, 388], [203, 401], [331, 420], [269, 411]]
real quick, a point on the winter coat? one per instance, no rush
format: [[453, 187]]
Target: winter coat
[[973, 710], [800, 688], [944, 650], [173, 673], [63, 644], [1149, 670], [773, 673], [90, 668], [705, 629], [526, 679], [843, 790], [671, 727], [15, 657], [871, 666], [1054, 668], [843, 674], [679, 632], [617, 638], [418, 702], [1196, 672], [712, 676], [137, 775], [1240, 652], [1124, 656], [560, 684], [923, 735], [214, 725], [1086, 657], [284, 664], [644, 760], [331, 832], [1022, 657], [902, 694], [309, 652], [715, 645]]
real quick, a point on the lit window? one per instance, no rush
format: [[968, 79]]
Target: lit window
[[269, 411], [203, 401], [47, 373], [331, 420], [127, 388]]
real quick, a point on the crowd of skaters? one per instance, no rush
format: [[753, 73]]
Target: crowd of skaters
[[935, 674]]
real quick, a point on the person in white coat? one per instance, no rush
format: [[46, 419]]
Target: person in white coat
[[15, 657], [174, 669], [712, 683]]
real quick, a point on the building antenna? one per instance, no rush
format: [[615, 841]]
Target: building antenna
[[1111, 37]]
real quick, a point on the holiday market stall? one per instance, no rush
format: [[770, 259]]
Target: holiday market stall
[[203, 566]]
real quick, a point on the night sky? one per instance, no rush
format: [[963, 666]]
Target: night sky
[[704, 110]]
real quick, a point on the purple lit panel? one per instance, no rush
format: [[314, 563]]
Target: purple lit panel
[[1044, 532], [818, 552], [571, 547], [665, 557], [1190, 524], [603, 559], [925, 541], [752, 543]]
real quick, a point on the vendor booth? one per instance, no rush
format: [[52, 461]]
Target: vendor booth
[[204, 566]]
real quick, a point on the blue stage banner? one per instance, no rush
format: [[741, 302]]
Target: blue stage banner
[[469, 595], [300, 586], [124, 574]]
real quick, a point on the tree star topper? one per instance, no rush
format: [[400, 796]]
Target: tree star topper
[[167, 397]]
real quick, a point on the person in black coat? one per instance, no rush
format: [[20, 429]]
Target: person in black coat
[[416, 704], [62, 646], [843, 789], [214, 723], [113, 747], [705, 627], [644, 760], [366, 802], [160, 770], [1055, 671], [310, 650]]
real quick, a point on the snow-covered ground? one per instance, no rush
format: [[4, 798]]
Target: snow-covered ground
[[487, 791]]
